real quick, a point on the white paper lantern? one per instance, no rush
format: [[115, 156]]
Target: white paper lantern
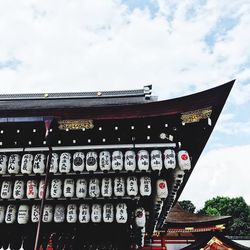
[[117, 160], [54, 163], [156, 160], [35, 213], [184, 160], [69, 188], [96, 213], [10, 216], [161, 189], [23, 214], [26, 165], [179, 175], [2, 214], [6, 190], [14, 164], [169, 159], [121, 213], [78, 161], [84, 214], [106, 187], [140, 217], [132, 186], [65, 162], [59, 214], [105, 161], [142, 237], [39, 164], [108, 213], [56, 188], [18, 191], [3, 164], [71, 213], [119, 186], [47, 213], [31, 189], [143, 160], [91, 161], [94, 188], [81, 188], [130, 160], [41, 189], [145, 186], [158, 206]]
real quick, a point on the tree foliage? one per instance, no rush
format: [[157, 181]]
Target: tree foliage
[[235, 207], [187, 205]]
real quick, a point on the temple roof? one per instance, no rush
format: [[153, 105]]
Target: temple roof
[[110, 104], [76, 99], [216, 240], [181, 217]]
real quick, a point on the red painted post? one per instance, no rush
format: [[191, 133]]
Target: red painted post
[[163, 244], [47, 137], [43, 199]]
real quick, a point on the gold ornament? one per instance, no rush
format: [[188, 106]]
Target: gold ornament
[[75, 124], [196, 115]]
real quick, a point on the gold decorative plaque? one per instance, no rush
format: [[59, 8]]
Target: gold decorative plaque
[[215, 240], [75, 124], [196, 115], [156, 233], [220, 227]]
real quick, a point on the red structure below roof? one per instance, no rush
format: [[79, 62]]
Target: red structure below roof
[[196, 231]]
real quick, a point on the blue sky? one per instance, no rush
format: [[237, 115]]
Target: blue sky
[[180, 47]]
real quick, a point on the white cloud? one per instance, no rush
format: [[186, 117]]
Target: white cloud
[[223, 172], [241, 93], [85, 45], [230, 125]]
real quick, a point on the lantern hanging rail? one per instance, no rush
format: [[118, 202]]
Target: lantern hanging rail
[[79, 173], [71, 199], [90, 147]]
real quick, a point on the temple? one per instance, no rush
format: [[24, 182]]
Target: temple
[[187, 230], [100, 170]]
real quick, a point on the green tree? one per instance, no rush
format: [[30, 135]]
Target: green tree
[[235, 207], [187, 205], [212, 211]]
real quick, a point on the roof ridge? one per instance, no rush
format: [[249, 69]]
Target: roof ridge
[[146, 92]]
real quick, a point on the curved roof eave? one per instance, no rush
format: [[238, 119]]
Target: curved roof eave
[[110, 108]]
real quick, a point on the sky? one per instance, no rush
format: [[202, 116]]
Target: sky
[[180, 47]]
